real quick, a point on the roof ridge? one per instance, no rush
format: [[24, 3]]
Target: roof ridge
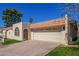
[[48, 20]]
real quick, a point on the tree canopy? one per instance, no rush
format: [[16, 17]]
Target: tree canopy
[[72, 10], [10, 17], [30, 20]]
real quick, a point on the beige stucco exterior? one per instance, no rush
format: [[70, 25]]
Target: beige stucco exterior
[[62, 37], [11, 32], [21, 27]]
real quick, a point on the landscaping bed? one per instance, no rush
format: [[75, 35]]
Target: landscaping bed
[[9, 41]]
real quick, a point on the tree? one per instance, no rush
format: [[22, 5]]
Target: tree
[[10, 17], [72, 10], [30, 20]]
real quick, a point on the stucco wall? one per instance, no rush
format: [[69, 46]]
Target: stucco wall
[[19, 25], [9, 34]]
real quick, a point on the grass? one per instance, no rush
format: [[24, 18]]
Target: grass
[[64, 51], [9, 41]]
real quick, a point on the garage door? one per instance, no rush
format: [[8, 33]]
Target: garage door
[[48, 36]]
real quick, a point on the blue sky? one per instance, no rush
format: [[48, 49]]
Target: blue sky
[[39, 12]]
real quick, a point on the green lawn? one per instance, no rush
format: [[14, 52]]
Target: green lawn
[[9, 41], [64, 51]]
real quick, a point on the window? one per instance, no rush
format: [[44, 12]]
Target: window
[[16, 31]]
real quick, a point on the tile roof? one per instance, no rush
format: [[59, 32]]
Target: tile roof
[[56, 22]]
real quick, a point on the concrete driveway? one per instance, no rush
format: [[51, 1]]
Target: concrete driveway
[[28, 48]]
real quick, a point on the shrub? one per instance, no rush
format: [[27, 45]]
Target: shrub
[[74, 39]]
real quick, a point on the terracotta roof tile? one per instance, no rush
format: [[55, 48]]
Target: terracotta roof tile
[[56, 22]]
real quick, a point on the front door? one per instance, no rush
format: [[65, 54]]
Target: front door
[[25, 34]]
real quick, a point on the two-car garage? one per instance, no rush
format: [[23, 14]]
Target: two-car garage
[[52, 31], [49, 36]]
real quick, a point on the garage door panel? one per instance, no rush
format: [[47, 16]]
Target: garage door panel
[[47, 36]]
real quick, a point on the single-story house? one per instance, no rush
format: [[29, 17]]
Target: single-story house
[[59, 30]]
